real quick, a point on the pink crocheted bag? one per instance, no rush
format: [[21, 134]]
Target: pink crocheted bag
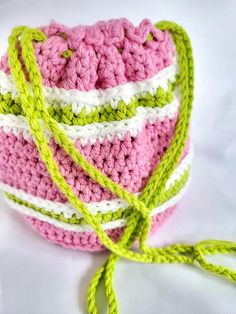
[[112, 89], [94, 139]]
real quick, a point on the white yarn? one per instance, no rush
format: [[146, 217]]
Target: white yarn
[[184, 165]]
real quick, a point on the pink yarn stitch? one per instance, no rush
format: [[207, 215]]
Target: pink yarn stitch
[[105, 54], [129, 162], [86, 241]]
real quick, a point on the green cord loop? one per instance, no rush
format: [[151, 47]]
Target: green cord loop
[[138, 226]]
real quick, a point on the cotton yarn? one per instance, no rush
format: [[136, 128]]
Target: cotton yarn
[[94, 139]]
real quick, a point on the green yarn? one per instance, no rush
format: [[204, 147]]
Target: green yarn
[[67, 53], [103, 114], [8, 105], [139, 222], [102, 217]]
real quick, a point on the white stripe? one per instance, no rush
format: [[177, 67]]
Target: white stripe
[[97, 131], [82, 228], [184, 165], [94, 207], [97, 97]]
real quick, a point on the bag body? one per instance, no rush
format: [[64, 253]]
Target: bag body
[[113, 89]]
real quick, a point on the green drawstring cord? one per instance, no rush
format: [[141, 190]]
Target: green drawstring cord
[[33, 105]]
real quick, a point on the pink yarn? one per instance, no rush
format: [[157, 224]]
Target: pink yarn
[[129, 162], [105, 54], [86, 241]]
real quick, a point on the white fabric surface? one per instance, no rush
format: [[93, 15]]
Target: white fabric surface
[[39, 278]]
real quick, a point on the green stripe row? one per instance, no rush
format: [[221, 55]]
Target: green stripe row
[[108, 216], [102, 114]]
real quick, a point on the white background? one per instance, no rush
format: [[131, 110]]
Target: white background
[[40, 278]]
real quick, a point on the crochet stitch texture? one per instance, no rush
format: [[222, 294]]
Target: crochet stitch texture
[[94, 139]]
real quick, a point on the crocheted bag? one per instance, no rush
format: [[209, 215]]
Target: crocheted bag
[[94, 146]]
